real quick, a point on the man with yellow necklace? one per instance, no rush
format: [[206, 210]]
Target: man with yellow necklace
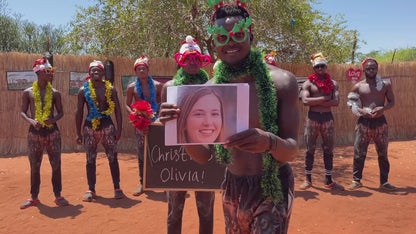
[[102, 100], [259, 183], [43, 102]]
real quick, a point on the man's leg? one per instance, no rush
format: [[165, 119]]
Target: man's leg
[[176, 203], [381, 140], [110, 146], [205, 205], [140, 157], [362, 139], [269, 217], [35, 144], [328, 134], [310, 136], [54, 152], [91, 139]]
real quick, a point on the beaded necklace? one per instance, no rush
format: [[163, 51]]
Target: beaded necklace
[[153, 102], [94, 115], [42, 114]]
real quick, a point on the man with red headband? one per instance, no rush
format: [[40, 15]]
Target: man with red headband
[[102, 100], [259, 183], [368, 100], [191, 61], [320, 93], [143, 89], [45, 107]]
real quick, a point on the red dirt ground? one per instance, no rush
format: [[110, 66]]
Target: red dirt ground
[[316, 210]]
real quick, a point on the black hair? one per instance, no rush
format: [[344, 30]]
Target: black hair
[[230, 10]]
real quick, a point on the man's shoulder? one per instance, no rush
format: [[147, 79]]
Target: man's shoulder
[[168, 83], [282, 78]]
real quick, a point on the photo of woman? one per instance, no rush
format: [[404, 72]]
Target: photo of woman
[[208, 113], [201, 118]]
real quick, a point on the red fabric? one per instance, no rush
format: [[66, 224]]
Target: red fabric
[[141, 115], [39, 62], [325, 85]]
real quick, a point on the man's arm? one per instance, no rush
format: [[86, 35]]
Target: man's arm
[[25, 107], [379, 111], [354, 102], [311, 101], [117, 112], [334, 101], [58, 107], [79, 114], [129, 97], [282, 147]]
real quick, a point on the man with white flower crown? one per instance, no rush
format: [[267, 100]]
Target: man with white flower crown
[[191, 60], [143, 89], [45, 107], [101, 99]]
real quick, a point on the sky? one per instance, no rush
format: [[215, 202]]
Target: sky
[[383, 24]]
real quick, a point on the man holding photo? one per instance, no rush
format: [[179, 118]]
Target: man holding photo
[[259, 183]]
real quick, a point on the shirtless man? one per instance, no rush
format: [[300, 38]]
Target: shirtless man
[[43, 101], [368, 100], [320, 93], [253, 200], [102, 100], [191, 61], [147, 89]]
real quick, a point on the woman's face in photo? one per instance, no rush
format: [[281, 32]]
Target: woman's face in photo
[[204, 122]]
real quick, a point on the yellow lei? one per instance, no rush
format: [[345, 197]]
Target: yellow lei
[[111, 104], [43, 114]]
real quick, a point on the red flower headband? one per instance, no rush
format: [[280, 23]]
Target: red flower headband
[[365, 61]]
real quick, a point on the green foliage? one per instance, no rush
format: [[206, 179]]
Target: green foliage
[[400, 55], [157, 27], [24, 36]]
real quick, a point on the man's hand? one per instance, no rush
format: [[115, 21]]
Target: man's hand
[[253, 140], [377, 112], [168, 112], [50, 121], [79, 139], [35, 124]]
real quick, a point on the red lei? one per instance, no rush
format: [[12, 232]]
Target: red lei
[[325, 85]]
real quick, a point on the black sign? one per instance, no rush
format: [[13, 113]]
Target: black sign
[[171, 168]]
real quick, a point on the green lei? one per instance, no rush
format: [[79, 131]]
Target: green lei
[[182, 77], [255, 66]]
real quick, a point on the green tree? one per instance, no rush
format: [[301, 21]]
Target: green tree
[[397, 55], [9, 29], [24, 36], [156, 28]]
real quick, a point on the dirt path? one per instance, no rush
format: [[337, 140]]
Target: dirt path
[[316, 210]]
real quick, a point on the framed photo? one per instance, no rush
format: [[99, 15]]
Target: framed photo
[[125, 81], [20, 80], [76, 80], [209, 113]]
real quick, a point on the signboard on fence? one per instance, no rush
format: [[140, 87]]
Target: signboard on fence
[[171, 168], [20, 80], [76, 80]]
